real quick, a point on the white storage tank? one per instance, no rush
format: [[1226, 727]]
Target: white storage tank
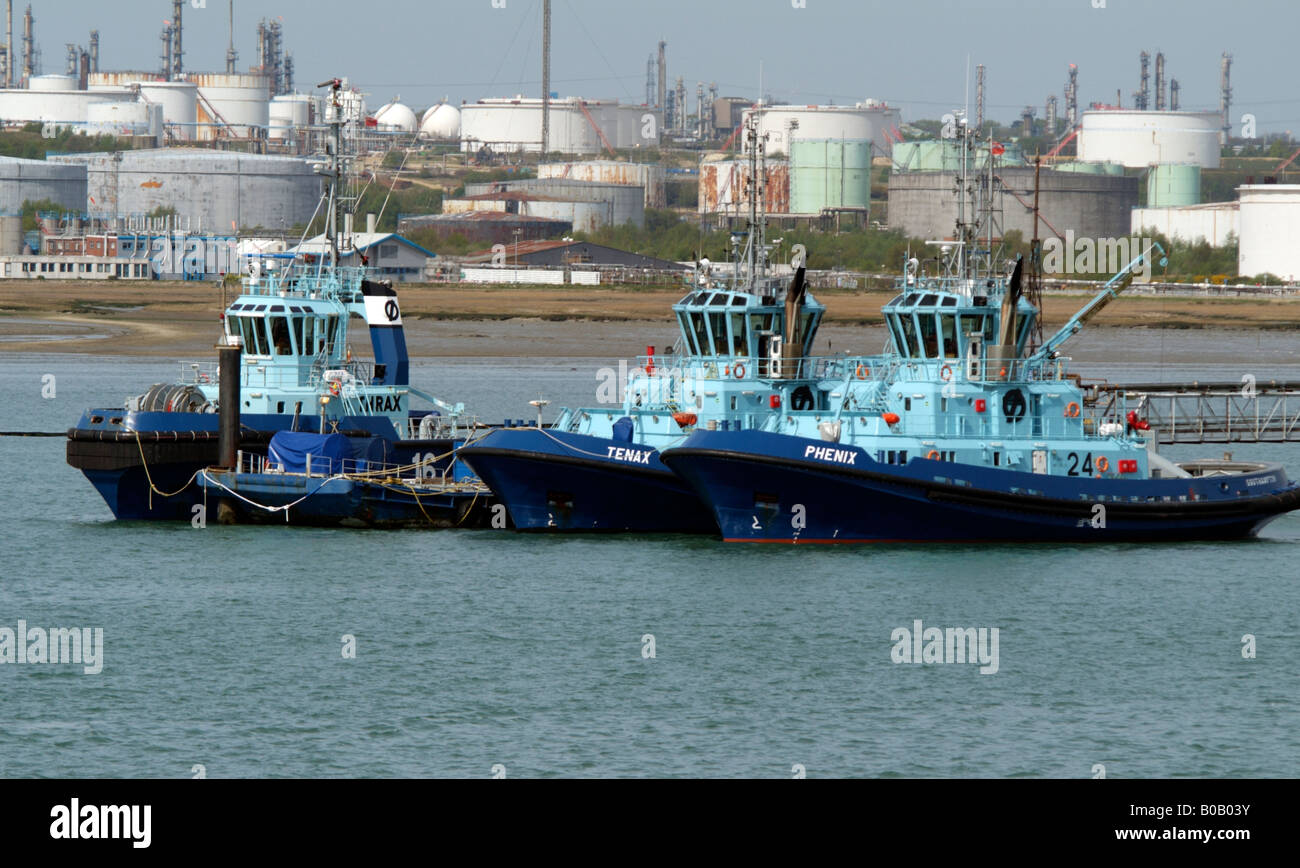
[[513, 125], [232, 105], [123, 119], [1138, 139], [179, 102], [289, 113], [869, 120], [1270, 224], [441, 123], [52, 83], [396, 118]]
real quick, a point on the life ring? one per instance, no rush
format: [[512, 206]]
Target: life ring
[[932, 455], [945, 373], [1102, 464], [862, 372], [739, 371], [1072, 410]]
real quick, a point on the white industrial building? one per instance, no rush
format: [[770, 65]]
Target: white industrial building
[[1270, 225], [1137, 139], [1217, 223], [396, 118], [870, 119], [388, 256]]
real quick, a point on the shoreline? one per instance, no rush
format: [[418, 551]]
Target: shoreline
[[183, 319]]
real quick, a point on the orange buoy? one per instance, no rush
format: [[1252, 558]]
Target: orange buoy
[[685, 420], [891, 418]]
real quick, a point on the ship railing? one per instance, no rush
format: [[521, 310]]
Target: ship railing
[[360, 371], [307, 280], [985, 428], [724, 368], [961, 370], [199, 373], [425, 470]]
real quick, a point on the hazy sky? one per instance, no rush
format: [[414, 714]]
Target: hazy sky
[[913, 53]]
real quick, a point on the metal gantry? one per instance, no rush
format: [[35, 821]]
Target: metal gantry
[[1245, 412]]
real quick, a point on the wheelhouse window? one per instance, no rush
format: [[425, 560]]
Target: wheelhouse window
[[948, 335], [739, 339], [909, 335], [280, 337], [929, 334]]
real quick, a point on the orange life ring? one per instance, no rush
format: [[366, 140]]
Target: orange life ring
[[739, 371], [862, 371], [932, 455], [1072, 410], [945, 373], [1102, 464]]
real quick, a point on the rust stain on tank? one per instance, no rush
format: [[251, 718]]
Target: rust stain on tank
[[151, 184]]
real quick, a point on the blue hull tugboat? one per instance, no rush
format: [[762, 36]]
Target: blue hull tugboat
[[292, 319], [964, 433], [742, 354], [957, 439]]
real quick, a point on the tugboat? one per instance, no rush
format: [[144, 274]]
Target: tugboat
[[742, 354], [964, 433], [292, 319]]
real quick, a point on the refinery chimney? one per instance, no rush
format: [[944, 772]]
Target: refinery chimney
[[1160, 81], [177, 65], [232, 56], [1225, 96], [663, 75], [9, 43], [94, 51], [29, 45]]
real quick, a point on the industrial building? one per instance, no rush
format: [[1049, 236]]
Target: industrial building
[[557, 254], [440, 123], [389, 256], [209, 190], [924, 204], [23, 181], [1216, 223]]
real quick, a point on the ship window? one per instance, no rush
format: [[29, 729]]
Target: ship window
[[929, 335], [738, 300], [929, 300], [950, 302], [280, 338], [948, 332], [810, 320], [739, 340], [701, 333], [684, 323], [718, 327], [909, 333], [259, 336]]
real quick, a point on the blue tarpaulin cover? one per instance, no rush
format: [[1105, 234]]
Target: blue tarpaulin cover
[[623, 429], [291, 448]]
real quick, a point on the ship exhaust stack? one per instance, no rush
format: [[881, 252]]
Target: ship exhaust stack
[[1003, 355], [792, 340]]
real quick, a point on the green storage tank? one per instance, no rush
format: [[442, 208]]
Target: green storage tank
[[1172, 185], [1083, 168], [829, 173]]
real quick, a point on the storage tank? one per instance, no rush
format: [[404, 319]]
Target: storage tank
[[123, 119], [829, 173], [232, 105], [11, 235], [1086, 168], [441, 123], [52, 83], [1174, 185], [179, 102], [514, 125], [396, 118], [289, 113], [210, 190], [36, 180], [870, 120], [1137, 139], [1270, 224], [651, 178], [724, 186]]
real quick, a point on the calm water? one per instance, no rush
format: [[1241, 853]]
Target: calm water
[[222, 646]]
